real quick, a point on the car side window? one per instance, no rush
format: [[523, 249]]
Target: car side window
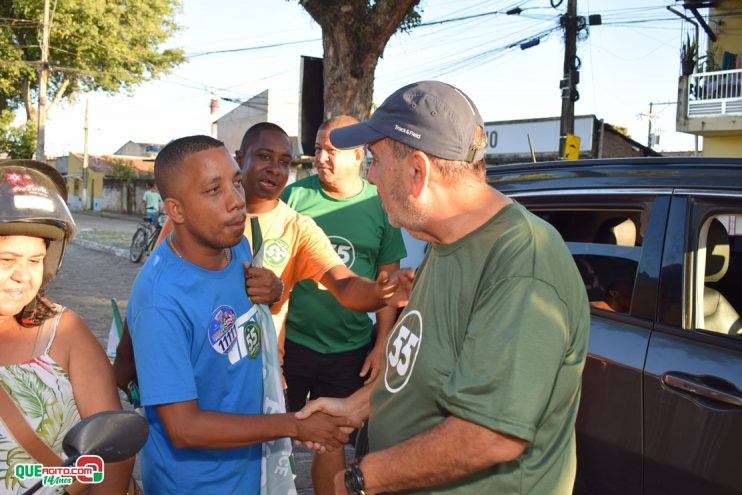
[[717, 274], [606, 246]]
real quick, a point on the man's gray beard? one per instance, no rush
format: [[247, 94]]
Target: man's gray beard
[[411, 217]]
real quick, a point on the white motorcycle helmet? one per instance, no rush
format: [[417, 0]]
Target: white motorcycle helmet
[[33, 201]]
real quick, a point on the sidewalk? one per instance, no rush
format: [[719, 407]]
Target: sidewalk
[[106, 232]]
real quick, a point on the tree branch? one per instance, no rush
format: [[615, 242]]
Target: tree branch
[[58, 95]]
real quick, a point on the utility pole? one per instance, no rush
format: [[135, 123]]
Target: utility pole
[[43, 89], [571, 76], [84, 202], [650, 116]]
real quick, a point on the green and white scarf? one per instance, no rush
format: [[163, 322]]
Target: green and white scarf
[[276, 470]]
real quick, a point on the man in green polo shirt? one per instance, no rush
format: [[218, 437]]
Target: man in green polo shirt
[[329, 349], [481, 383]]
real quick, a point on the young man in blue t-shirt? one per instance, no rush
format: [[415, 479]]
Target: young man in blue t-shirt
[[197, 339]]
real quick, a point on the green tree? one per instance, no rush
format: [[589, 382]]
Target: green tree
[[16, 142], [121, 169], [94, 45], [354, 35]]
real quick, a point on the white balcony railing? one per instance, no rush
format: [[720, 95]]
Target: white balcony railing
[[715, 93]]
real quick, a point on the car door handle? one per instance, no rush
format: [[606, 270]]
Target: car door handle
[[700, 386]]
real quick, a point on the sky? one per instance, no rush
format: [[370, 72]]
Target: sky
[[628, 62]]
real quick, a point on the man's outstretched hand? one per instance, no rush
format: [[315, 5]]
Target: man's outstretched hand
[[323, 432], [395, 289], [353, 409]]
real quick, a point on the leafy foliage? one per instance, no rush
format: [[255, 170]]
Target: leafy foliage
[[354, 35], [16, 142], [122, 170], [362, 18], [711, 58], [95, 45], [689, 49]]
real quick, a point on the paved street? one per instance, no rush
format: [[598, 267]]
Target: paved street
[[87, 282], [90, 278]]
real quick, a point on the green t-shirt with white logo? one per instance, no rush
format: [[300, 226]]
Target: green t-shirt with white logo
[[360, 233], [495, 333]]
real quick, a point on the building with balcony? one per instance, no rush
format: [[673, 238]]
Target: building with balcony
[[710, 98]]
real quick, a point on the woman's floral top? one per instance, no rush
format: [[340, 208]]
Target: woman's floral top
[[42, 391]]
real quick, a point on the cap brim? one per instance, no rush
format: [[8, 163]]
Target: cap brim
[[353, 136]]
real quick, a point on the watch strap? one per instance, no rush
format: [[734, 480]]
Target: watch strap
[[354, 481]]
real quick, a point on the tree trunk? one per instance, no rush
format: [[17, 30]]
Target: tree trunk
[[30, 110], [348, 82], [354, 35]]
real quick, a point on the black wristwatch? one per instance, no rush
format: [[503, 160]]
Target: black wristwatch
[[354, 479]]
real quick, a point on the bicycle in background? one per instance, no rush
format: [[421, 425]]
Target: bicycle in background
[[145, 237]]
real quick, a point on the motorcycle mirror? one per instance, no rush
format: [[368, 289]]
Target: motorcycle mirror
[[112, 435]]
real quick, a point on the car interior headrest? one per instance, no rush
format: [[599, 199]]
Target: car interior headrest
[[717, 251], [620, 231]]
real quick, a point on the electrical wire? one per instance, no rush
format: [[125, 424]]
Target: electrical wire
[[463, 28]]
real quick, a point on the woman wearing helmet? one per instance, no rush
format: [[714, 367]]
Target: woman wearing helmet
[[52, 368]]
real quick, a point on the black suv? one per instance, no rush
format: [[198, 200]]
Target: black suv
[[659, 244]]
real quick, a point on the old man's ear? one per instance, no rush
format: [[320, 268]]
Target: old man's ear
[[418, 166]]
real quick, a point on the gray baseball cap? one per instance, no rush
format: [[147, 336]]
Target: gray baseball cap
[[430, 116]]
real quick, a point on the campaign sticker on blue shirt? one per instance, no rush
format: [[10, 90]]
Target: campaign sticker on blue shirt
[[222, 329], [252, 338]]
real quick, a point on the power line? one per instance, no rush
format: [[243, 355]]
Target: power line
[[250, 48], [463, 25], [483, 56], [289, 43], [14, 19]]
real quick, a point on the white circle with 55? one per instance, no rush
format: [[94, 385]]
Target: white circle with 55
[[344, 248], [252, 339], [275, 253], [402, 348]]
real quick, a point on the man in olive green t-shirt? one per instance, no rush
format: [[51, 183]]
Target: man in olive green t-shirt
[[328, 349], [483, 368]]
